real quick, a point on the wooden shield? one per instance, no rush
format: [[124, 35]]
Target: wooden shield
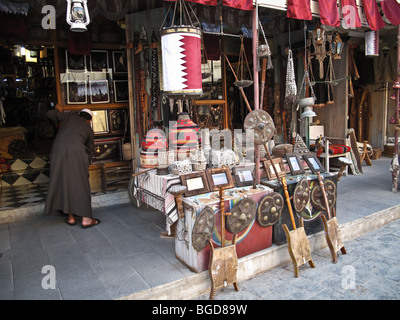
[[301, 195], [203, 228], [317, 198], [242, 214], [270, 209], [262, 124]]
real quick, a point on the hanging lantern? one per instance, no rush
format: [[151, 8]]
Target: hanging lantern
[[372, 43], [337, 47], [181, 57], [318, 36], [77, 15]]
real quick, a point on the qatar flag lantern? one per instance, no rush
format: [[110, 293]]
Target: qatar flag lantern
[[181, 61]]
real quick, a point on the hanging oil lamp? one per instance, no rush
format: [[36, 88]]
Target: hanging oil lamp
[[336, 47], [77, 15]]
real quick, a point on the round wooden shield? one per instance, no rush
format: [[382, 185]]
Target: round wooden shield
[[262, 124], [270, 209], [203, 228], [317, 198], [242, 214], [301, 195]]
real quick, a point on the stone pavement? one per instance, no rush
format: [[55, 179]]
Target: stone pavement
[[369, 271], [125, 258]]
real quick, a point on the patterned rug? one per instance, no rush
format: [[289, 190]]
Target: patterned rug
[[22, 196]]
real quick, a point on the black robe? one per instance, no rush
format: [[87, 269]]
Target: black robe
[[71, 154]]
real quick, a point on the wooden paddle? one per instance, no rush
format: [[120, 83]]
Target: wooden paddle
[[333, 234], [223, 261]]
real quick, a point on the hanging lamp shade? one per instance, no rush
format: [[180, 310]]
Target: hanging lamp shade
[[184, 137], [308, 112]]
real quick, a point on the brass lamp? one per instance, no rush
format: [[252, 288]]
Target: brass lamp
[[337, 47]]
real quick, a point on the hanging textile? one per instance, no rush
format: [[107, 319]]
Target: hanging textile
[[391, 10], [299, 9], [373, 15], [329, 12], [350, 14], [239, 4]]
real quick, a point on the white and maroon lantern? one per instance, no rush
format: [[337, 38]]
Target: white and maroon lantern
[[181, 61]]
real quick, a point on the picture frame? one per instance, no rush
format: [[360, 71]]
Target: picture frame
[[100, 122], [117, 120], [75, 63], [76, 92], [313, 163], [220, 177], [196, 183], [99, 61], [278, 162], [295, 163], [244, 176], [118, 67], [99, 92], [107, 150], [121, 91]]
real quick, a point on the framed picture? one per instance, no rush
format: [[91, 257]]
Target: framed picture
[[121, 91], [107, 150], [280, 168], [99, 91], [100, 121], [76, 92], [295, 163], [74, 63], [220, 177], [196, 183], [313, 163], [244, 176], [99, 61], [117, 119], [118, 63]]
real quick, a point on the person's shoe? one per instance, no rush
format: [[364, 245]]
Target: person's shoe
[[93, 223]]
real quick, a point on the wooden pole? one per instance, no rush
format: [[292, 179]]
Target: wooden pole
[[131, 88], [256, 88]]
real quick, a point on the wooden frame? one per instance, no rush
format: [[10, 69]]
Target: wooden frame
[[121, 92], [100, 122], [196, 183], [76, 92], [220, 177], [278, 162], [313, 163], [99, 61], [295, 163], [107, 150], [244, 176], [75, 63], [99, 92], [118, 67]]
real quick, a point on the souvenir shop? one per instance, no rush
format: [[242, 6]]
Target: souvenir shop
[[238, 118]]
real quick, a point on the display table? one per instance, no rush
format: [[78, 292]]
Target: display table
[[311, 216], [152, 189], [254, 238]]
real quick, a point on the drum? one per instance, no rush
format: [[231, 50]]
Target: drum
[[181, 61]]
